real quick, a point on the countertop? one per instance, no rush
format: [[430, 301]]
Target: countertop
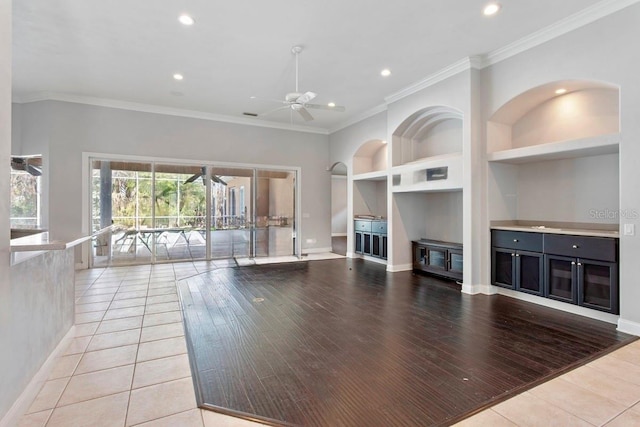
[[43, 242], [558, 230]]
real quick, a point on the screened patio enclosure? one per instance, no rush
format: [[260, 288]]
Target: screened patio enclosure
[[163, 212]]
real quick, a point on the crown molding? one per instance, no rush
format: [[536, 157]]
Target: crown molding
[[360, 117], [557, 29], [457, 67], [158, 109]]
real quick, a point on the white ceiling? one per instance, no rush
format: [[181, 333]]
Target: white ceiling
[[128, 50]]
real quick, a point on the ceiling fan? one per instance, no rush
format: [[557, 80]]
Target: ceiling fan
[[203, 173], [298, 101]]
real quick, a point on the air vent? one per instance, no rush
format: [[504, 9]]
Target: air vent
[[250, 114]]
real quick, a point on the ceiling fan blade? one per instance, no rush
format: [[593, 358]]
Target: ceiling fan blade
[[279, 101], [193, 178], [217, 180], [306, 97], [305, 114], [273, 111], [325, 107]]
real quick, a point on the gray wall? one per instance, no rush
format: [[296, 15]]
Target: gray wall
[[338, 204], [8, 390], [71, 129]]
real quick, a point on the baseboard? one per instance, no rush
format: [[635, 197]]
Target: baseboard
[[315, 250], [629, 327], [352, 255], [558, 305], [338, 234], [399, 267], [477, 289], [23, 402]]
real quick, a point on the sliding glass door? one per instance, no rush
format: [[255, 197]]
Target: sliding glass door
[[164, 212], [232, 212], [180, 212]]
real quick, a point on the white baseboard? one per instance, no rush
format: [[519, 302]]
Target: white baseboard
[[477, 289], [399, 267], [352, 255], [315, 250], [629, 327], [23, 402], [338, 234]]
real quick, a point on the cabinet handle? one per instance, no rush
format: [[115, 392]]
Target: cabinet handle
[[513, 254], [517, 254], [573, 263], [579, 264], [515, 240], [575, 246]]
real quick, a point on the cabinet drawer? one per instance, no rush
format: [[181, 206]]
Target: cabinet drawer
[[597, 248], [516, 240], [362, 226], [379, 227]]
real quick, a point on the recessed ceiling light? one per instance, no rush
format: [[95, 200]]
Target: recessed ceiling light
[[331, 104], [186, 20], [178, 76], [385, 73], [384, 141], [491, 9], [561, 91]]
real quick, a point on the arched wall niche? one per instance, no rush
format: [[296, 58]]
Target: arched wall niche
[[371, 156], [429, 132], [540, 115]]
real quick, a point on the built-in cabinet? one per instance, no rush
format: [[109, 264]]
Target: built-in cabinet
[[371, 238], [517, 261], [574, 269], [437, 257]]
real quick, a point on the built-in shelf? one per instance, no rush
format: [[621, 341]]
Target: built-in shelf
[[371, 176], [436, 173], [583, 147]]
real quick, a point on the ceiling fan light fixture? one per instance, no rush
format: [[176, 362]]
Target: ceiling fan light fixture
[[186, 20]]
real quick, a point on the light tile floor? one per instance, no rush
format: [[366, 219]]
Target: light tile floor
[[128, 366]]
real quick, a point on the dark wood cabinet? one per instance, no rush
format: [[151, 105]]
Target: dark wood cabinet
[[437, 257], [579, 270], [371, 238], [519, 270], [517, 261]]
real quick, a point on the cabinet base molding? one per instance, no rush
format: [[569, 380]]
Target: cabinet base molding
[[372, 259], [629, 327], [558, 305]]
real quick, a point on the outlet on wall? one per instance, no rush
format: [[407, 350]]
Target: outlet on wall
[[629, 230]]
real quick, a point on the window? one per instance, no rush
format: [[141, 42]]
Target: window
[[25, 192]]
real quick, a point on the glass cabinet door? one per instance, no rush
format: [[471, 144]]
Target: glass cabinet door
[[529, 272], [596, 285], [437, 258], [560, 278], [503, 268]]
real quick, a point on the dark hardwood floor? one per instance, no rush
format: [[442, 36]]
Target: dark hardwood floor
[[344, 343]]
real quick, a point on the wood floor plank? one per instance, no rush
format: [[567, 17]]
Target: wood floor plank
[[343, 343]]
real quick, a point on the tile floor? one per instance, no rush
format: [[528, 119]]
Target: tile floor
[[128, 366]]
